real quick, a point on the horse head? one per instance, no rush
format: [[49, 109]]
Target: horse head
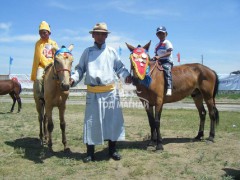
[[62, 65], [139, 59]]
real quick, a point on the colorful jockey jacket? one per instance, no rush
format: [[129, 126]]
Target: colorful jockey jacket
[[43, 55], [162, 48]]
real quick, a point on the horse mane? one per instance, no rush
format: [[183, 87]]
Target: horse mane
[[47, 67]]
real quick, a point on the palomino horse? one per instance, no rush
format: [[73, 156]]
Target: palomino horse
[[190, 79], [13, 88], [56, 91]]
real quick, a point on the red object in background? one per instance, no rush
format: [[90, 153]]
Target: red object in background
[[15, 79], [178, 56]]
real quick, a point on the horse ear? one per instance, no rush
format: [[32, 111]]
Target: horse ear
[[147, 45], [70, 48], [130, 47]]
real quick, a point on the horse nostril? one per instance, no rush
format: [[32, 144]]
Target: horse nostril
[[65, 87]]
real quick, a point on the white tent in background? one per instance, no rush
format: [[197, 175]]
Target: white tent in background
[[230, 81]]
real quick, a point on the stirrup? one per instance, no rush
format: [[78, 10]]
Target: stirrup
[[169, 92]]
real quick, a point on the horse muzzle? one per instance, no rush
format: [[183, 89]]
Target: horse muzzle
[[65, 87], [135, 81]]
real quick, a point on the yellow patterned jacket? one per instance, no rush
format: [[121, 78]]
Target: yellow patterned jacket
[[43, 55]]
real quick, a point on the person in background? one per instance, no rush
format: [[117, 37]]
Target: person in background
[[43, 56], [163, 53], [103, 115]]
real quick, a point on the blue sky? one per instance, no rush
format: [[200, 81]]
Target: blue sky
[[208, 27]]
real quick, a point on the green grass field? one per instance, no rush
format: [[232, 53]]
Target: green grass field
[[22, 157]]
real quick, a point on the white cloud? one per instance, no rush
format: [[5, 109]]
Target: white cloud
[[223, 52], [70, 32], [113, 40], [148, 12], [138, 8], [59, 5], [116, 41], [21, 38], [5, 26]]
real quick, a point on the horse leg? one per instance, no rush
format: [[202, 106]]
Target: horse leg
[[19, 102], [158, 112], [49, 125], [40, 110], [45, 126], [63, 126], [152, 125], [198, 100], [43, 120], [14, 100], [214, 117]]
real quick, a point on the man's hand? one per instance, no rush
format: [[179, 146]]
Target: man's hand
[[128, 80], [155, 58], [71, 82]]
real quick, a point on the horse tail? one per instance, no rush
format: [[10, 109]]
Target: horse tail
[[215, 92], [216, 85], [216, 115], [20, 88]]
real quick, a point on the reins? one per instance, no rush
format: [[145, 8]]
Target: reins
[[150, 72], [156, 65]]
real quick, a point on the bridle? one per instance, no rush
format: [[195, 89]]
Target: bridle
[[156, 65], [139, 60], [134, 66], [59, 70], [65, 52]]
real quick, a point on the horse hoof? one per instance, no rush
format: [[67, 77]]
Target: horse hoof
[[49, 152], [50, 149], [200, 135], [67, 150], [151, 143], [159, 151], [210, 140], [150, 148], [159, 147], [196, 139], [43, 142]]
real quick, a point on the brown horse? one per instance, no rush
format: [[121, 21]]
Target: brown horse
[[13, 88], [56, 91], [189, 79]]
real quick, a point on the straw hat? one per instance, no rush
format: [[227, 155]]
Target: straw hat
[[44, 25], [100, 27]]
